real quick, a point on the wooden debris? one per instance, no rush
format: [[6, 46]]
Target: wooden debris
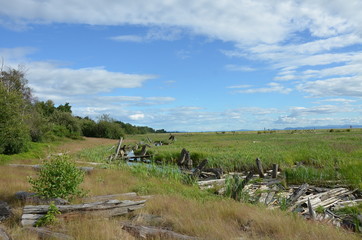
[[145, 232], [275, 171], [185, 159], [4, 235], [197, 171], [259, 167], [311, 211], [299, 192], [45, 233], [109, 208]]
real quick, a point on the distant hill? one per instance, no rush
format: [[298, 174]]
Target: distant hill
[[324, 127]]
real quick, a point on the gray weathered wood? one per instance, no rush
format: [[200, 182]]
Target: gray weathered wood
[[259, 167], [4, 235], [311, 211], [297, 194], [118, 147], [109, 208], [275, 170], [45, 233], [198, 169], [145, 232]]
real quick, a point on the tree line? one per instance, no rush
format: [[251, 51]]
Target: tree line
[[24, 119]]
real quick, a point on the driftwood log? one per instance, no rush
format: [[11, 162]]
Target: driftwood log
[[145, 232], [45, 233], [107, 209], [185, 159]]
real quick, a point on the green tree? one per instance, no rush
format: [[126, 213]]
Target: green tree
[[14, 133]]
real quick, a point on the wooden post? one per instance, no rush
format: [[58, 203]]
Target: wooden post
[[118, 147], [275, 170], [311, 211], [259, 166]]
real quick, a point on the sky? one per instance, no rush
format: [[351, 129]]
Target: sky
[[192, 65]]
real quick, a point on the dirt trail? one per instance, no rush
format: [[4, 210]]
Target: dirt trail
[[75, 146]]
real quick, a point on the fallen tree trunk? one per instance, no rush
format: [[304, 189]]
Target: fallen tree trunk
[[107, 209], [143, 232]]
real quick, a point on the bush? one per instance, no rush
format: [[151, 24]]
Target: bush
[[48, 218], [58, 178]]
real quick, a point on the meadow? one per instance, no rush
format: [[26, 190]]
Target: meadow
[[322, 155], [312, 156]]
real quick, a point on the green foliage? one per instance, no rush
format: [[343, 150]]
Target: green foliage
[[59, 177], [234, 187], [14, 133], [319, 209], [49, 217]]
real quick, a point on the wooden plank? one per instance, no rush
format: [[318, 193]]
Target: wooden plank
[[4, 235], [118, 147], [311, 211], [297, 194]]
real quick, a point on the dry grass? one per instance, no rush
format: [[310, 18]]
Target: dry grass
[[13, 180], [227, 219], [94, 229]]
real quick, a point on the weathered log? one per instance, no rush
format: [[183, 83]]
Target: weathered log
[[259, 167], [217, 171], [275, 170], [299, 192], [45, 233], [118, 147], [182, 158], [144, 232], [5, 211], [109, 208], [4, 235], [211, 182], [143, 151], [247, 179], [198, 169]]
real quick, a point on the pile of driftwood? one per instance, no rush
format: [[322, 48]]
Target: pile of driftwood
[[137, 152], [311, 202]]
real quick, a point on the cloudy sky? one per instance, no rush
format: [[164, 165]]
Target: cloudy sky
[[192, 65]]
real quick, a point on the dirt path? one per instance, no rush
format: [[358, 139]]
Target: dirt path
[[75, 146]]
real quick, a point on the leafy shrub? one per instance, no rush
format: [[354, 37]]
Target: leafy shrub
[[49, 217], [59, 177]]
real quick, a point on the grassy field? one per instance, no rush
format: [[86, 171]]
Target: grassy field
[[184, 208], [324, 155]]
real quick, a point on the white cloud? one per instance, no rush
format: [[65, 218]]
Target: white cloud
[[240, 86], [127, 38], [272, 87], [343, 86], [233, 67], [137, 116]]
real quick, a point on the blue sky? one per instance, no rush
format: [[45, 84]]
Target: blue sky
[[192, 65]]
